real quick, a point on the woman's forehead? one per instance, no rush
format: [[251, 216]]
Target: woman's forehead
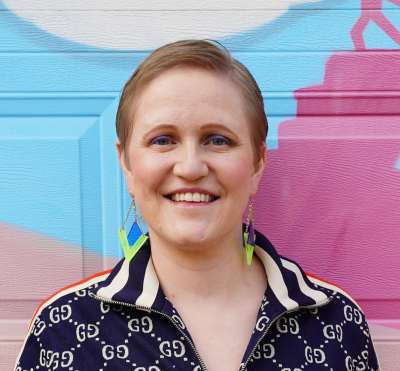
[[189, 95]]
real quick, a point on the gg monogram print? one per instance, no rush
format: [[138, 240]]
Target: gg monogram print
[[121, 320]]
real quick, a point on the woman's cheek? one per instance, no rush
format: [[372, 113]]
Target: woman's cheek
[[237, 169], [149, 173]]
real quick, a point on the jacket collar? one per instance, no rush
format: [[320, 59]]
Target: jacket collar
[[136, 282]]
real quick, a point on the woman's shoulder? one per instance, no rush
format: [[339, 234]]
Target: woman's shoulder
[[340, 297], [342, 318], [60, 303], [342, 323]]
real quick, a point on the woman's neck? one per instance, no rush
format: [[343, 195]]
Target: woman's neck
[[218, 271]]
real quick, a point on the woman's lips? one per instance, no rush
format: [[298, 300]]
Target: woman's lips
[[190, 203]]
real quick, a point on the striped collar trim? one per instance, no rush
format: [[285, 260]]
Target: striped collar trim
[[137, 282]]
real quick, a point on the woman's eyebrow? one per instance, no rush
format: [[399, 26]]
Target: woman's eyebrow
[[205, 127], [158, 128], [216, 126]]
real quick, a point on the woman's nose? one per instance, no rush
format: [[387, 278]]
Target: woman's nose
[[190, 164]]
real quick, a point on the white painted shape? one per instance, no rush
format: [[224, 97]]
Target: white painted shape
[[127, 28], [152, 4]]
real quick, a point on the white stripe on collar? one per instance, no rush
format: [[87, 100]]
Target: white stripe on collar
[[275, 279], [118, 282], [150, 286], [317, 295]]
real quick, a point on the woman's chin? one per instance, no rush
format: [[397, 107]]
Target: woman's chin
[[192, 235]]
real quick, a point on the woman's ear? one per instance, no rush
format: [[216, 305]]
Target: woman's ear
[[125, 167], [259, 169]]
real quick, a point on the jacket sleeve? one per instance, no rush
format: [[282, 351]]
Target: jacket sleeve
[[362, 353], [31, 354], [42, 348], [370, 354]]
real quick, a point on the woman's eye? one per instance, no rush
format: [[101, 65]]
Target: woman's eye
[[218, 140], [162, 140]]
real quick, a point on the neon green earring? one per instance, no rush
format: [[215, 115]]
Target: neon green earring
[[249, 240], [135, 239]]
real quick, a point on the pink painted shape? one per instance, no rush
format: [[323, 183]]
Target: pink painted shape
[[383, 333], [34, 266], [330, 195], [389, 324], [352, 81], [371, 10]]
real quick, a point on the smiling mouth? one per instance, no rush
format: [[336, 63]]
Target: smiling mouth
[[211, 200]]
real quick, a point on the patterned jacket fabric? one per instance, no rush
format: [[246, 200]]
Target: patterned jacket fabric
[[121, 320]]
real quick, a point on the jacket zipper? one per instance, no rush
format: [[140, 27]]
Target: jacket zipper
[[203, 366], [150, 310], [242, 368]]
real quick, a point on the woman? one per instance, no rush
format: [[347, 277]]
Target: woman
[[191, 295]]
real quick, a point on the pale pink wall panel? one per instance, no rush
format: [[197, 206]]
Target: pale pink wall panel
[[37, 264], [8, 353], [34, 267]]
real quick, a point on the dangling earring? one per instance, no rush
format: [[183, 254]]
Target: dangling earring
[[249, 240], [135, 239]]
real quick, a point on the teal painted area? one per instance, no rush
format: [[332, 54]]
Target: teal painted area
[[46, 104], [90, 187], [40, 187], [111, 180], [43, 128], [84, 124], [61, 175], [65, 72], [397, 164]]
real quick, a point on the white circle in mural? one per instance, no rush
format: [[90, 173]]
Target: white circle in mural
[[146, 24]]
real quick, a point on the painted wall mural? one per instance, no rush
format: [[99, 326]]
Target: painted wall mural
[[125, 30], [330, 199], [371, 11]]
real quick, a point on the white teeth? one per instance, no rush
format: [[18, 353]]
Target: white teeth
[[191, 197], [188, 197], [196, 197]]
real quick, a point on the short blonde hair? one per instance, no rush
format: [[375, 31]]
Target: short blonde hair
[[206, 54]]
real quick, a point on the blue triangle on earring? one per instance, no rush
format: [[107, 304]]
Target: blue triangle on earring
[[134, 234], [137, 240]]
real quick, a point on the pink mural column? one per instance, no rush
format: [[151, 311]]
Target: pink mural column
[[331, 192]]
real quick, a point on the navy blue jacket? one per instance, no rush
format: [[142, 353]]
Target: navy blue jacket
[[121, 320]]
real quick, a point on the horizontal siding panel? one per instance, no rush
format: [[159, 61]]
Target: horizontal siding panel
[[389, 355], [82, 104], [54, 105], [89, 104], [242, 29], [13, 329], [8, 354], [17, 309], [382, 308], [187, 4], [62, 72]]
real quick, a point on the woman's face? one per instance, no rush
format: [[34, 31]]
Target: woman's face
[[191, 135]]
